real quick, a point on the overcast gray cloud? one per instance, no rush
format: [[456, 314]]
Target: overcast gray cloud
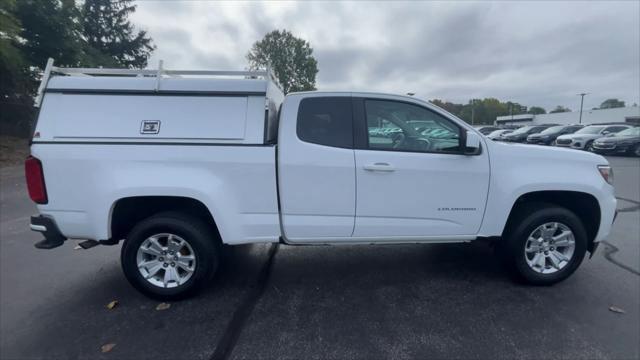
[[535, 53]]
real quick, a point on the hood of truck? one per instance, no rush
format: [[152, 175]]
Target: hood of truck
[[524, 152]]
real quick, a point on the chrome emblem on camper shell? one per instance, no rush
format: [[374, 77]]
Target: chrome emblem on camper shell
[[150, 127]]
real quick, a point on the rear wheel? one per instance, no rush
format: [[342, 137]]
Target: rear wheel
[[170, 255], [544, 244]]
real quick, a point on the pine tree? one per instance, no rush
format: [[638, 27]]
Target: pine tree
[[15, 99], [111, 39], [49, 30]]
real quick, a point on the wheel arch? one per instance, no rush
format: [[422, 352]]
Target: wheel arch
[[583, 204], [128, 211]]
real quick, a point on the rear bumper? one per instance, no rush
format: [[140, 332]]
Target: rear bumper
[[48, 228]]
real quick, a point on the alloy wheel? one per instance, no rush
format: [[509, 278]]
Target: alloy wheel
[[549, 248], [166, 260]]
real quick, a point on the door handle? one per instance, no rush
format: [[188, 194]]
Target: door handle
[[379, 166]]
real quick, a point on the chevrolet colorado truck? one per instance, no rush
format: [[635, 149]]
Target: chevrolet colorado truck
[[174, 164]]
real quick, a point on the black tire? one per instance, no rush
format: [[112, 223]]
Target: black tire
[[635, 150], [526, 219], [200, 236], [589, 146]]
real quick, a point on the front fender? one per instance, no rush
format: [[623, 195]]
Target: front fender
[[521, 169]]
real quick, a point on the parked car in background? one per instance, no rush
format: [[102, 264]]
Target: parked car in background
[[495, 135], [624, 142], [548, 136], [422, 125], [486, 130], [520, 135], [583, 139]]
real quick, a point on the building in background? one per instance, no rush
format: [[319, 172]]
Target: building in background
[[629, 114]]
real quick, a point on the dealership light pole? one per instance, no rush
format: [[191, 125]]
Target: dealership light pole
[[581, 103]]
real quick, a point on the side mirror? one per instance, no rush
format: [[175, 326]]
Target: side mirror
[[606, 132], [472, 143]]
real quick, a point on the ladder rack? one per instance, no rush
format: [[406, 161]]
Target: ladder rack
[[159, 73]]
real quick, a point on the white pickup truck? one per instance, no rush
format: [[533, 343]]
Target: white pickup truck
[[177, 163]]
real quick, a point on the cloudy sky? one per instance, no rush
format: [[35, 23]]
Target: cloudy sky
[[536, 53]]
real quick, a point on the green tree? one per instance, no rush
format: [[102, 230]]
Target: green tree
[[50, 29], [111, 39], [10, 54], [11, 57], [15, 99], [449, 106], [537, 110], [612, 103], [559, 109], [291, 59]]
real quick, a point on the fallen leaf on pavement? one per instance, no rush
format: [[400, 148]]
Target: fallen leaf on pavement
[[163, 306], [616, 310], [112, 304], [107, 347]]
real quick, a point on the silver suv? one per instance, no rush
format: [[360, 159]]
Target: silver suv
[[583, 138]]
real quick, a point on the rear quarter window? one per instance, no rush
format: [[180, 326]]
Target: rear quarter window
[[326, 121]]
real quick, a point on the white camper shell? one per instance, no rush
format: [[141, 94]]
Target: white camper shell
[[226, 107]]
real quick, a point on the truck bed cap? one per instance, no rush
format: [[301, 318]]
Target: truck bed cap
[[145, 84]]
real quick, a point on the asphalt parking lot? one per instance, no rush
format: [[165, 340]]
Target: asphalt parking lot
[[400, 301]]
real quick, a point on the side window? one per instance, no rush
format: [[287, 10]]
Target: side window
[[615, 129], [399, 126], [326, 121]]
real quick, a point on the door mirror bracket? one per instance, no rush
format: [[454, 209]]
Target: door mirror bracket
[[472, 143]]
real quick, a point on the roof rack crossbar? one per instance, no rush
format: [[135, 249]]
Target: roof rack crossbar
[[158, 73], [43, 82]]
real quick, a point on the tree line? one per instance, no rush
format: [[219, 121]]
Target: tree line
[[90, 33], [484, 111]]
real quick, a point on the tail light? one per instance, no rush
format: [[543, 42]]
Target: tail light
[[35, 180]]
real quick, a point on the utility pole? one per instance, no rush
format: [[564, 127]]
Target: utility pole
[[473, 110], [511, 110], [581, 103]]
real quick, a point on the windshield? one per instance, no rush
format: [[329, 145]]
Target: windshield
[[590, 130], [629, 132], [552, 130], [522, 130]]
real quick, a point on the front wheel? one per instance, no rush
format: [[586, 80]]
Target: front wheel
[[589, 146], [170, 255], [636, 150], [545, 244]]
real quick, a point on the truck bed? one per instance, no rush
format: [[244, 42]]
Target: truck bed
[[242, 179]]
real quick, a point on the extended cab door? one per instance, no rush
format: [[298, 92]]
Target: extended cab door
[[316, 167], [413, 182]]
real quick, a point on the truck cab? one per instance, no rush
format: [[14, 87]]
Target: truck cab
[[342, 179]]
